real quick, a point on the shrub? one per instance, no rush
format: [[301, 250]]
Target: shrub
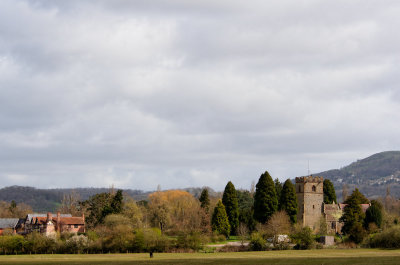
[[304, 238], [76, 244], [389, 238], [190, 241], [215, 237], [257, 242]]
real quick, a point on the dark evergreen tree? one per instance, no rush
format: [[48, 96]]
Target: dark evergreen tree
[[96, 206], [246, 202], [374, 214], [329, 192], [205, 200], [219, 220], [278, 190], [357, 196], [116, 203], [265, 200], [353, 217], [289, 200], [230, 201]]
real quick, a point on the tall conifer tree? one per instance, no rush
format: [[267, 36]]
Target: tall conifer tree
[[265, 200], [353, 216], [219, 220], [204, 200], [289, 200], [278, 189], [329, 192], [230, 201]]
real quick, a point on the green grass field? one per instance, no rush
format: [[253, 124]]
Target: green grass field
[[327, 256]]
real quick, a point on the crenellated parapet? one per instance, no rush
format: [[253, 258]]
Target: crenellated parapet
[[309, 179]]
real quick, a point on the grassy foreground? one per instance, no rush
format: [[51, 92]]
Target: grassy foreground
[[327, 256]]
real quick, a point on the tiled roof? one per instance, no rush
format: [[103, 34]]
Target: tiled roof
[[72, 221], [8, 222], [331, 207], [364, 206], [63, 220], [33, 215]]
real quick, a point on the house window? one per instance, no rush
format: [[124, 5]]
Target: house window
[[76, 226], [314, 188]]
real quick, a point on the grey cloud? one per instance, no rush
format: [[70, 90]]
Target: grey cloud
[[178, 93]]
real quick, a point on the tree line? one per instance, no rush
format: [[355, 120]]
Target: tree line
[[175, 220]]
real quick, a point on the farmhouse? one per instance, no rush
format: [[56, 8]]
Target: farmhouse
[[49, 224]]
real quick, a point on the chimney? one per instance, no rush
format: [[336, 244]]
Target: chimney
[[58, 222], [49, 216], [83, 219]]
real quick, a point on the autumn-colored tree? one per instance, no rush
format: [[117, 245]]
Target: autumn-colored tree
[[175, 210]]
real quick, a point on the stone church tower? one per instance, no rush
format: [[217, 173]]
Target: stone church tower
[[310, 198]]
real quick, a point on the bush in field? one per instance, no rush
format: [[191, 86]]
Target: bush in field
[[77, 244], [146, 240], [190, 241], [257, 242], [389, 238], [40, 244], [12, 244], [303, 238], [117, 234]]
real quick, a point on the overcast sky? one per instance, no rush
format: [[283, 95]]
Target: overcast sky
[[193, 93]]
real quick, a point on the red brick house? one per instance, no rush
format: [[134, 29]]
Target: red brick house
[[50, 225]]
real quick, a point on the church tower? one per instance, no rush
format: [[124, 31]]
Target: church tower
[[310, 198]]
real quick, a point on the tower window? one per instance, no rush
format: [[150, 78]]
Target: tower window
[[314, 188], [313, 206]]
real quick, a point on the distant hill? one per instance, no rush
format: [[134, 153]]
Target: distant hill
[[372, 175], [44, 200]]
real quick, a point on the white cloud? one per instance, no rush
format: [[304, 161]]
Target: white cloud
[[174, 92]]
